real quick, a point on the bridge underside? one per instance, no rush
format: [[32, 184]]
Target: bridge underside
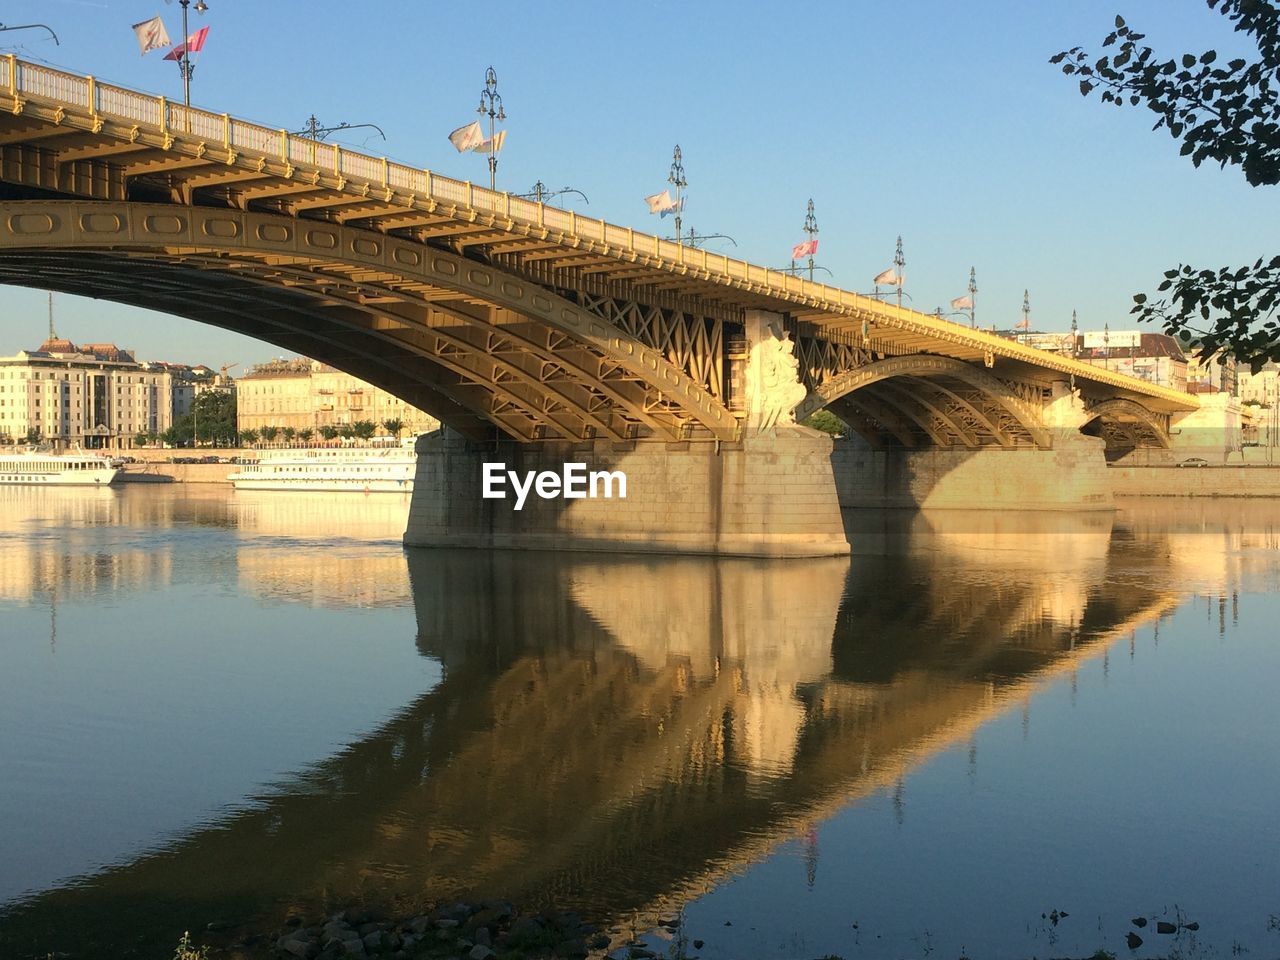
[[485, 352]]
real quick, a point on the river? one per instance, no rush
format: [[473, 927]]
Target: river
[[983, 734]]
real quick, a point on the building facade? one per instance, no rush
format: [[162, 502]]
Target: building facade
[[307, 395], [96, 395], [1154, 357]]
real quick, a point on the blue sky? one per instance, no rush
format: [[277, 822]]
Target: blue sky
[[936, 120]]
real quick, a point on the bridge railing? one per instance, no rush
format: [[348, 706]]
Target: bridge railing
[[20, 77], [120, 103]]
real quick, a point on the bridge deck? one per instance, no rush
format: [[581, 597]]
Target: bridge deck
[[95, 128]]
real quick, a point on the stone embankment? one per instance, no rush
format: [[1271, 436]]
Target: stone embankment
[[157, 466], [1208, 480]]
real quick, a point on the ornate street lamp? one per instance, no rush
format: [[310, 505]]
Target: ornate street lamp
[[491, 106], [185, 67], [541, 193], [810, 228], [677, 180], [899, 267], [317, 132]]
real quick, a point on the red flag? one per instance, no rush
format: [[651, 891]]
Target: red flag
[[195, 43], [806, 249], [1023, 324]]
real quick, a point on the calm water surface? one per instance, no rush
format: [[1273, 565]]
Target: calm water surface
[[220, 707]]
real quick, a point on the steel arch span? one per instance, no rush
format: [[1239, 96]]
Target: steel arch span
[[1126, 423], [927, 399], [477, 347]]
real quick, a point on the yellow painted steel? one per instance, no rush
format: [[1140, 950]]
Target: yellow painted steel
[[117, 113]]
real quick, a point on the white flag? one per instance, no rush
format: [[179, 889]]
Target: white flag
[[498, 140], [888, 277], [468, 137], [962, 303], [660, 202], [675, 208], [152, 35]]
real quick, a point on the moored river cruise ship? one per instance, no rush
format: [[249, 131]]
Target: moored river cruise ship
[[361, 470], [46, 468]]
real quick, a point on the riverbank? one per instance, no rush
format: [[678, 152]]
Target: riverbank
[[1209, 480], [497, 930]]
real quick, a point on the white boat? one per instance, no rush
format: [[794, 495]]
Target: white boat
[[46, 468], [359, 470]]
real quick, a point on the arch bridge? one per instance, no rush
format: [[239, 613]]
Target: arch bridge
[[500, 316]]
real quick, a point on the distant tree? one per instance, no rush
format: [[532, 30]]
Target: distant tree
[[288, 433], [364, 429], [305, 435], [827, 422], [33, 435], [328, 431], [393, 426], [213, 414], [269, 434], [248, 437], [172, 436], [140, 440], [346, 431], [1230, 115]]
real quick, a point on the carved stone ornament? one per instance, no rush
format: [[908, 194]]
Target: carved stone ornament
[[773, 373]]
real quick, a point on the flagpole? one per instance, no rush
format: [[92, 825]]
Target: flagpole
[[973, 299], [491, 104], [811, 228], [676, 177], [900, 263], [184, 62]]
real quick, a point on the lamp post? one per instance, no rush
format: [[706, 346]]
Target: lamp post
[[899, 267], [33, 26], [185, 66], [491, 106], [541, 194], [677, 180], [317, 132], [696, 238], [810, 228], [1106, 346]]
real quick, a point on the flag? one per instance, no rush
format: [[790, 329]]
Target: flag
[[660, 202], [194, 44], [152, 35], [962, 303], [467, 137], [804, 249], [887, 277], [674, 209], [1023, 324], [498, 140]]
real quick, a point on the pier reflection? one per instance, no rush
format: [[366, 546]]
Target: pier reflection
[[618, 734]]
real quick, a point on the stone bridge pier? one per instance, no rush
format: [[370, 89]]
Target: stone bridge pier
[[1065, 470], [770, 493], [780, 488]]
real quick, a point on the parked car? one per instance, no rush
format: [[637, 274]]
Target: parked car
[[1194, 462]]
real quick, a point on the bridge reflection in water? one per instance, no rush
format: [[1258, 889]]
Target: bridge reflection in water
[[618, 734]]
